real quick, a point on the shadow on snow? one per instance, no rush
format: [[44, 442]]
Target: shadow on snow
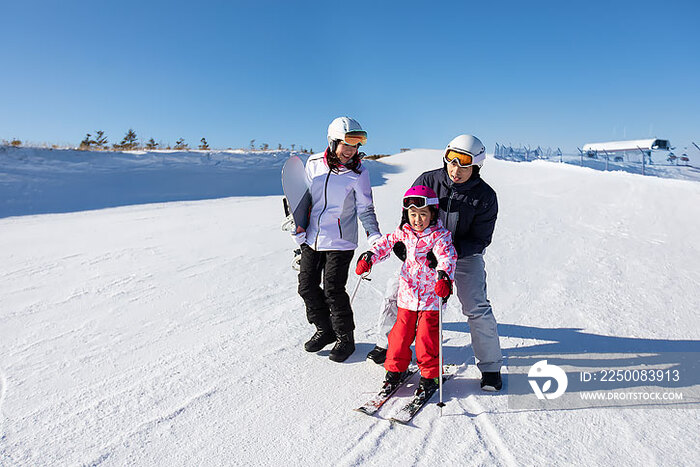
[[587, 352]]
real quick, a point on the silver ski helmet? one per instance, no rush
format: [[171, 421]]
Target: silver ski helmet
[[347, 130], [466, 150]]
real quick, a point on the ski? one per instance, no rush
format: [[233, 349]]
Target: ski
[[407, 412], [374, 404]]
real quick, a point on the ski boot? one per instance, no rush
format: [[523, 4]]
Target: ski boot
[[321, 338], [393, 380], [491, 381], [343, 348], [427, 386], [377, 355]]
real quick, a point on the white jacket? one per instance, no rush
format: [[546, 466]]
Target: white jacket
[[337, 200]]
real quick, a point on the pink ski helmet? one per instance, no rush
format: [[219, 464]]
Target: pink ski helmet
[[420, 196]]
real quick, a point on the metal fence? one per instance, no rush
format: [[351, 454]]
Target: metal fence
[[653, 162]]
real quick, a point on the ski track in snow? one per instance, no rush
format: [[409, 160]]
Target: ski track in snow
[[367, 443], [481, 445], [488, 432], [150, 425]]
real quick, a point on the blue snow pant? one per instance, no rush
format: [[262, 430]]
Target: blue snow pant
[[470, 286]]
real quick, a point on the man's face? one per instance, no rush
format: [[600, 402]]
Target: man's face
[[345, 152], [459, 174]]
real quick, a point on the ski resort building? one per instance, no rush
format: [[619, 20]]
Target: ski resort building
[[630, 151]]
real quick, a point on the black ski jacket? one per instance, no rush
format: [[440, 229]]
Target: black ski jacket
[[468, 210]]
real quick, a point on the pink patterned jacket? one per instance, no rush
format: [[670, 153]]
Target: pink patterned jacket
[[417, 280]]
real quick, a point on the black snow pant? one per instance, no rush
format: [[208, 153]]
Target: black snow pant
[[327, 308]]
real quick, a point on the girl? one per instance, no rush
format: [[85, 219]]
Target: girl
[[340, 193], [420, 285]]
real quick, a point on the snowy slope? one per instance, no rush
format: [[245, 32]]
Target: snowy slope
[[39, 181], [42, 181], [172, 333]]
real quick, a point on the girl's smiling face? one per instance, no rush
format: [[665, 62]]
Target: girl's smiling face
[[419, 218]]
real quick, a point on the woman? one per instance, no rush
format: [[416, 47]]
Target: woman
[[340, 193]]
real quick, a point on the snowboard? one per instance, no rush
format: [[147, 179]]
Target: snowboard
[[297, 198]]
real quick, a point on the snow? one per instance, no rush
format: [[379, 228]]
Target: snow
[[171, 332], [38, 181]]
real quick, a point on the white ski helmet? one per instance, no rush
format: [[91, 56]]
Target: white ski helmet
[[471, 145], [346, 127]]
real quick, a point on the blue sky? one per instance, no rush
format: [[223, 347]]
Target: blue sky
[[415, 74]]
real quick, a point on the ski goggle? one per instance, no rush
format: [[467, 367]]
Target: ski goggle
[[353, 138], [462, 159], [419, 202]]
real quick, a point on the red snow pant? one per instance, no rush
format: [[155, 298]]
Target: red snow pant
[[398, 355]]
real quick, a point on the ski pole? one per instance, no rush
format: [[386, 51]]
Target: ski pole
[[357, 286], [441, 404]]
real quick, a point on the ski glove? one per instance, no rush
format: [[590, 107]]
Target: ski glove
[[364, 264], [443, 286], [372, 239], [300, 238]]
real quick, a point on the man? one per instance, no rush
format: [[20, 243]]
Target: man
[[468, 209]]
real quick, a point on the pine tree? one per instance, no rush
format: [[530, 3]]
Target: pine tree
[[252, 144], [180, 144], [128, 143], [151, 144], [86, 143], [101, 141], [265, 146], [204, 146]]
